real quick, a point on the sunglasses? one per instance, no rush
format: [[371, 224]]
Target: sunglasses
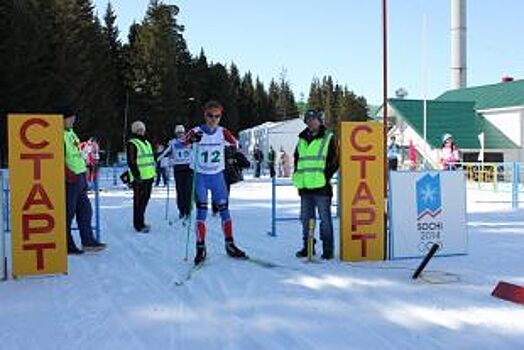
[[212, 115]]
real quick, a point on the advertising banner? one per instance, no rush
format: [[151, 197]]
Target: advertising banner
[[427, 207]]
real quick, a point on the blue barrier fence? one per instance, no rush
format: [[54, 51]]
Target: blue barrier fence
[[7, 212], [287, 182]]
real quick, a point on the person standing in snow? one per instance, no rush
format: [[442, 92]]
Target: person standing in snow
[[77, 201], [141, 163], [209, 141], [162, 166], [271, 161], [316, 161], [449, 156], [91, 154], [258, 156], [393, 154], [181, 158]]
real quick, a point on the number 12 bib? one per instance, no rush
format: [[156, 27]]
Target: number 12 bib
[[210, 158]]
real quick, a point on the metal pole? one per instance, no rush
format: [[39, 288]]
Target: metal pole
[[515, 187], [3, 258], [97, 210], [273, 232], [125, 118], [385, 104]]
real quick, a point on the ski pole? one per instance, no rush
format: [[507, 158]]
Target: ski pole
[[193, 184], [167, 203], [310, 238]]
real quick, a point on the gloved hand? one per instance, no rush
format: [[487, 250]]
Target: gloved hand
[[196, 137]]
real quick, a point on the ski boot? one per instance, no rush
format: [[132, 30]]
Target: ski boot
[[201, 253], [233, 251]]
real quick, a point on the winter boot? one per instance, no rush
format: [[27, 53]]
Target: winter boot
[[200, 253], [233, 251], [302, 253], [327, 251]]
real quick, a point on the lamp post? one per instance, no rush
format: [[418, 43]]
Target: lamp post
[[126, 109]]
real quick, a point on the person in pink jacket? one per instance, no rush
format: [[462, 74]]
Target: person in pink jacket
[[449, 155]]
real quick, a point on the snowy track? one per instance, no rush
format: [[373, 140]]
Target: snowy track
[[124, 298]]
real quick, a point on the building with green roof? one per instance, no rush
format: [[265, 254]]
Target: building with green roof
[[492, 113]]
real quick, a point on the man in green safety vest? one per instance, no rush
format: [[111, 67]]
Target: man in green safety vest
[[316, 161], [77, 201], [141, 162]]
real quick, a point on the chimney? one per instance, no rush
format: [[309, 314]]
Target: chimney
[[458, 44]]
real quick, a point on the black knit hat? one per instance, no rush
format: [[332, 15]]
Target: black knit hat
[[314, 113], [65, 111]]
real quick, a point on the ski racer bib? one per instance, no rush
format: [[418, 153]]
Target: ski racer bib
[[181, 155], [210, 157]]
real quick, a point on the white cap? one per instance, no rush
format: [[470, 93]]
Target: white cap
[[180, 129], [138, 126]]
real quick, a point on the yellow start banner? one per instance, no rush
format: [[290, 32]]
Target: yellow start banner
[[36, 177], [362, 180]]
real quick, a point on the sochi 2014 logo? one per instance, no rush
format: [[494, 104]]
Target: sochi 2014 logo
[[429, 207], [429, 199]]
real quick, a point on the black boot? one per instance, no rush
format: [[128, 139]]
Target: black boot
[[303, 252], [233, 251], [201, 253], [327, 251]]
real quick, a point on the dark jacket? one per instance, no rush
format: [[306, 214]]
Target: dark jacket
[[236, 161], [132, 152], [332, 161]]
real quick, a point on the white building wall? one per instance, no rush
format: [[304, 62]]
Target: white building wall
[[509, 122]]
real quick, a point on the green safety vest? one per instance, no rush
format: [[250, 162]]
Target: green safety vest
[[73, 157], [311, 163], [144, 160]]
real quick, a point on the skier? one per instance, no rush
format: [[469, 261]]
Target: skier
[[181, 156], [209, 140]]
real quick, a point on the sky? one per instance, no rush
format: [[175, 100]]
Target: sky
[[343, 38]]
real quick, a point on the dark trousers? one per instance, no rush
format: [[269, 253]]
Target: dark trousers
[[308, 204], [258, 168], [161, 173], [393, 164], [79, 206], [184, 185], [141, 195], [272, 169]]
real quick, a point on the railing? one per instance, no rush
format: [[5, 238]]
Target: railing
[[497, 177], [287, 182], [6, 220]]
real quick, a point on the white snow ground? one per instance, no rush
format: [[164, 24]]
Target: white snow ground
[[124, 298]]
